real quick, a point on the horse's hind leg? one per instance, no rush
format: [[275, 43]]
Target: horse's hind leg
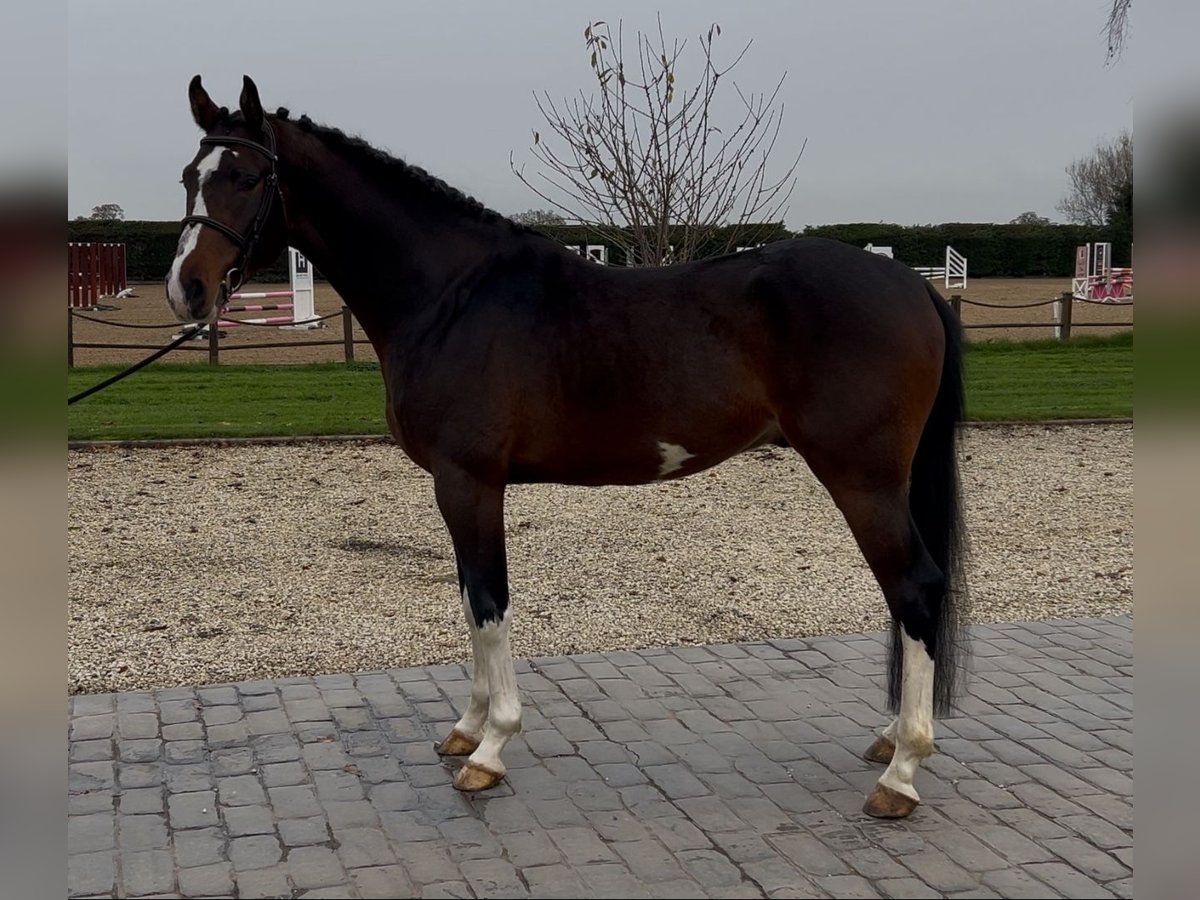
[[880, 520]]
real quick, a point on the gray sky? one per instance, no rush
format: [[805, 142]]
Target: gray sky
[[914, 112]]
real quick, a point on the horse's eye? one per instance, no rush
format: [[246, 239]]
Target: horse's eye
[[245, 180]]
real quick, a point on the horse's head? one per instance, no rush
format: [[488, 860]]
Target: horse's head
[[234, 223]]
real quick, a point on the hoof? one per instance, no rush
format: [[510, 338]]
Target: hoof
[[881, 751], [473, 777], [887, 803], [457, 744]]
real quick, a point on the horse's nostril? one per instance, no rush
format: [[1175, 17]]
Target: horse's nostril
[[194, 292]]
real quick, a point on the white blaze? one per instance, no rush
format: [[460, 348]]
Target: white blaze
[[673, 458], [191, 233]]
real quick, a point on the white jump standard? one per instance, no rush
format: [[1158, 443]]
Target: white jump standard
[[302, 295], [953, 271]]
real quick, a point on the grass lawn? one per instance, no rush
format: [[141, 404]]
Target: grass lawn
[[1089, 377], [1085, 378]]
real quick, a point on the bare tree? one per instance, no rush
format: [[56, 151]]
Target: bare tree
[[1097, 181], [651, 165], [1116, 29]]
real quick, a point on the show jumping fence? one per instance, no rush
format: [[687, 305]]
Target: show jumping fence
[[953, 271], [1097, 279], [98, 270], [300, 294], [597, 253], [94, 272]]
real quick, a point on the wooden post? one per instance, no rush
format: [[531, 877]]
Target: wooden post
[[1064, 323], [214, 351], [956, 304], [348, 333], [70, 339]]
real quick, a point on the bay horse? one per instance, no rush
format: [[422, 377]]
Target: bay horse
[[508, 359]]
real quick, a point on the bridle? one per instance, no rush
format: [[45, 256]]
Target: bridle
[[247, 241]]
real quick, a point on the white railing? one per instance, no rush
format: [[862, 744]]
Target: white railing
[[597, 253], [956, 269], [953, 272]]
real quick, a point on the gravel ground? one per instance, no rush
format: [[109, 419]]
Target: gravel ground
[[206, 564]]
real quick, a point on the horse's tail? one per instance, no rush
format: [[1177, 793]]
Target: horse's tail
[[935, 503]]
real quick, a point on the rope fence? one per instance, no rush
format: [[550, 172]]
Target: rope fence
[[79, 315], [213, 344], [86, 318], [1061, 323], [963, 299]]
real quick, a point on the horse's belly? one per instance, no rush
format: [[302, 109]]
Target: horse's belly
[[619, 456]]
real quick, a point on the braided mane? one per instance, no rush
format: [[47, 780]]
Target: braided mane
[[393, 170]]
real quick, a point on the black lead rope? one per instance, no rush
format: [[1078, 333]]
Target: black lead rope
[[186, 336]]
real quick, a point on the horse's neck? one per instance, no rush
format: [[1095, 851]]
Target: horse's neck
[[387, 260]]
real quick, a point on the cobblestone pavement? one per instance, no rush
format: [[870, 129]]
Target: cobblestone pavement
[[721, 771]]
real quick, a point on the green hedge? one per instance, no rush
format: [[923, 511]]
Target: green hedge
[[991, 250]]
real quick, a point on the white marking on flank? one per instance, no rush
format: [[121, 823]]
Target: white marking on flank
[[191, 234], [673, 458], [914, 728]]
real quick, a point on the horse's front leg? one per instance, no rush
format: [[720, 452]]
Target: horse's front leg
[[474, 514], [466, 735]]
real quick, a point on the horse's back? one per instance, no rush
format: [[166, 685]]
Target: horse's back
[[806, 306], [747, 328]]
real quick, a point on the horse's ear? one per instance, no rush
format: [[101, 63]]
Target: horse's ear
[[204, 111], [251, 106]]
